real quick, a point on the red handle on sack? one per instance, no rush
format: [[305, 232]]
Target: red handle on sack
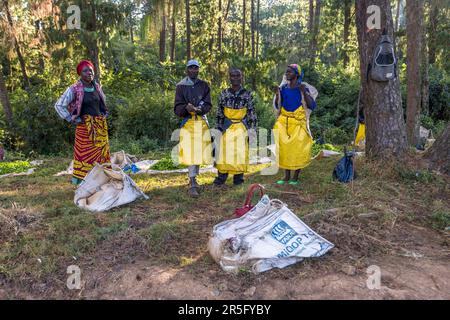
[[239, 212]]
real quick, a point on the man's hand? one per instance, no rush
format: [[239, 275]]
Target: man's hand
[[190, 108]]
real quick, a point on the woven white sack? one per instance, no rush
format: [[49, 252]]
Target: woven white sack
[[103, 189], [268, 236]]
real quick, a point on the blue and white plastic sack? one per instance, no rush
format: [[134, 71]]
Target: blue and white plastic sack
[[268, 236]]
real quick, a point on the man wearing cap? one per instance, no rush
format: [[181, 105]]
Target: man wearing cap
[[292, 135], [192, 103]]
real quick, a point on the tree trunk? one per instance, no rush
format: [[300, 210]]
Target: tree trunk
[[311, 18], [219, 30], [243, 27], [162, 37], [252, 26], [315, 33], [5, 100], [425, 105], [174, 32], [93, 47], [188, 30], [397, 17], [439, 153], [385, 126], [347, 20], [38, 35], [257, 28], [414, 17], [26, 80], [433, 30]]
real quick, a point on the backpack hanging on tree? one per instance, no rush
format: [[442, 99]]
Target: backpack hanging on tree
[[384, 62]]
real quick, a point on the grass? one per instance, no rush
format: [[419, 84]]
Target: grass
[[43, 231]]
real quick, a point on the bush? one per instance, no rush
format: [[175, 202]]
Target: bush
[[133, 146], [146, 114], [337, 136]]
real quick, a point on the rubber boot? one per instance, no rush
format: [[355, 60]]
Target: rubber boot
[[193, 188]]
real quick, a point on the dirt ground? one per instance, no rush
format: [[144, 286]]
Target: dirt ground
[[417, 270], [157, 248]]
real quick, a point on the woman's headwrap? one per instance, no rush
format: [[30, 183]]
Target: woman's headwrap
[[298, 71], [83, 64]]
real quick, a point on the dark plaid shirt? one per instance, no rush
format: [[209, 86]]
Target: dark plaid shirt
[[237, 100]]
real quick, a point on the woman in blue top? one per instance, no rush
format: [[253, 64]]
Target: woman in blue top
[[292, 135]]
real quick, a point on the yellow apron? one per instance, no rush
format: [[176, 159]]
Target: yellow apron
[[195, 142], [293, 141], [233, 155], [361, 135]]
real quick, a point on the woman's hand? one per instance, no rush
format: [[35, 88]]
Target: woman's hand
[[74, 118], [303, 88]]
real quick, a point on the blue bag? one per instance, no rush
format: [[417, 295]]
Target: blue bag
[[344, 170]]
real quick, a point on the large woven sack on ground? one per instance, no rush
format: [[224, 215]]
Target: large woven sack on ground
[[105, 188], [268, 236]]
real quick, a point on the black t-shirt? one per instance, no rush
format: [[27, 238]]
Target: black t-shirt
[[91, 104]]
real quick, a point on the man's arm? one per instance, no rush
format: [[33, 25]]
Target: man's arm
[[206, 105], [251, 117], [180, 103]]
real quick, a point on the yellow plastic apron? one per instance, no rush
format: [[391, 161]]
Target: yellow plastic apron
[[293, 141], [361, 135], [233, 155], [195, 146]]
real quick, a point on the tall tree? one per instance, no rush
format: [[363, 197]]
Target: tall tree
[[385, 126], [414, 18], [92, 40], [174, 30], [347, 20], [163, 33], [188, 29], [26, 80], [311, 17], [258, 5], [433, 30], [219, 30], [397, 16], [252, 26], [5, 100], [315, 33], [425, 105], [243, 27]]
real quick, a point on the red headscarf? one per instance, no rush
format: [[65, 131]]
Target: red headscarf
[[82, 64]]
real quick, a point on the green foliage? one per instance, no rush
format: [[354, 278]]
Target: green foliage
[[440, 219], [146, 114], [14, 167], [167, 164]]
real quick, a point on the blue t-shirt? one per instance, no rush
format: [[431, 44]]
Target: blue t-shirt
[[291, 98]]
